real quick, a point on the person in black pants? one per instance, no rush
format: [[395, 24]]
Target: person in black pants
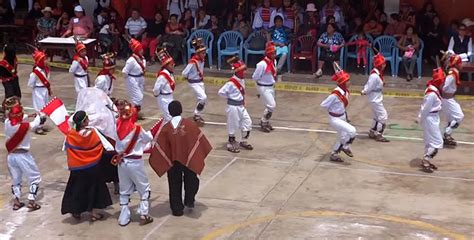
[[8, 76], [176, 175]]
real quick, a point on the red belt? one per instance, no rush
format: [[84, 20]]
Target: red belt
[[336, 115]]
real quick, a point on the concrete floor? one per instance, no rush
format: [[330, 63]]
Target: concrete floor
[[284, 189]]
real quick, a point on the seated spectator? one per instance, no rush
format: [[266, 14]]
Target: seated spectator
[[215, 27], [202, 21], [263, 16], [330, 43], [383, 21], [35, 13], [80, 25], [107, 34], [174, 38], [102, 18], [46, 25], [236, 23], [63, 24], [461, 43], [58, 10], [395, 27], [229, 21], [244, 28], [280, 35], [153, 35], [188, 20], [434, 40], [136, 25], [6, 12], [117, 19], [409, 44], [373, 28]]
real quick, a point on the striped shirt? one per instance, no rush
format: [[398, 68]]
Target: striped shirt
[[135, 26]]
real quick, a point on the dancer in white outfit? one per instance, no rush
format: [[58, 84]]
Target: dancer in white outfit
[[20, 162], [194, 74], [79, 66], [374, 91], [130, 144], [105, 79], [41, 88], [429, 119], [451, 108], [265, 76], [336, 104], [165, 83], [237, 116], [134, 71]]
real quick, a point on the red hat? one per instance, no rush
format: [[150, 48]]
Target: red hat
[[438, 78], [341, 76], [80, 46], [38, 56], [108, 61], [379, 60], [198, 45], [15, 115], [454, 60], [269, 48], [163, 56], [135, 45], [238, 66]]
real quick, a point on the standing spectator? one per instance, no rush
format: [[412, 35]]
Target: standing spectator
[[409, 44], [425, 18], [58, 10], [135, 25], [373, 28], [175, 7], [35, 13], [434, 39], [330, 43], [202, 20], [395, 28], [46, 25], [331, 9], [187, 21], [280, 35], [174, 38], [263, 18], [289, 14], [461, 44], [153, 34], [80, 25], [361, 43]]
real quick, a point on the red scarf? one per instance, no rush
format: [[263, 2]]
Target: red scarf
[[139, 60], [18, 137], [168, 78], [195, 60], [341, 96], [43, 78], [238, 85], [124, 127], [270, 67], [82, 61], [12, 69], [430, 90]]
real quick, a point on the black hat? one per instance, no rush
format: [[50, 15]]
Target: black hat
[[175, 108]]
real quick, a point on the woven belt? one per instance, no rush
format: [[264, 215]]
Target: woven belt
[[233, 102], [39, 86], [164, 94], [77, 75], [133, 157], [20, 150], [133, 75], [194, 80], [336, 114], [264, 85]]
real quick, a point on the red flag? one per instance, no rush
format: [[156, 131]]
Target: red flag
[[57, 112]]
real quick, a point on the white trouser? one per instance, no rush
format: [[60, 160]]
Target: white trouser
[[80, 83], [201, 96], [135, 86], [345, 131], [40, 98], [267, 94], [453, 112], [163, 102], [431, 133], [238, 118], [20, 164], [380, 116], [132, 176]]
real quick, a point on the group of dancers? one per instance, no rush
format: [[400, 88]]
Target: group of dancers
[[177, 146]]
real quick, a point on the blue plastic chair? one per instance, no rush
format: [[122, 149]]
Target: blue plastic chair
[[248, 51], [419, 59], [229, 43], [207, 38], [387, 45], [353, 54]]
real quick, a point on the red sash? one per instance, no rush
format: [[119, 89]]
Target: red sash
[[239, 86], [168, 78], [82, 61], [9, 68], [430, 90], [455, 73], [43, 80], [270, 67], [133, 141], [139, 60], [18, 137], [341, 97], [195, 61]]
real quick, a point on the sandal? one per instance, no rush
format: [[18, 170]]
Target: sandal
[[32, 206], [17, 206], [348, 152], [426, 166], [145, 220], [246, 145], [97, 217], [233, 148]]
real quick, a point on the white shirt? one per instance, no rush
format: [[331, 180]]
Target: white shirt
[[464, 56], [143, 139], [230, 91], [175, 121], [374, 86], [104, 83], [431, 103], [190, 72], [333, 104], [132, 67], [105, 29], [261, 76], [11, 130], [135, 26], [34, 80], [449, 86], [76, 68], [162, 86]]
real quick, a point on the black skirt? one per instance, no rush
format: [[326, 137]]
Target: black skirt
[[109, 171], [85, 190]]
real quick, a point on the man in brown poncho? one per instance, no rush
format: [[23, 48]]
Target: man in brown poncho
[[180, 149]]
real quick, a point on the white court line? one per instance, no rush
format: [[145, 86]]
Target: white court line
[[200, 188]]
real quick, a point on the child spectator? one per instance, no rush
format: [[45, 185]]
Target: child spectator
[[361, 43], [63, 24]]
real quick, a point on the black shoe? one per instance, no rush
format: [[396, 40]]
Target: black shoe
[[177, 213]]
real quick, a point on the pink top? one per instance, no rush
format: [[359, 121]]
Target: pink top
[[81, 26]]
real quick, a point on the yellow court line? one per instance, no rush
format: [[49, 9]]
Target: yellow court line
[[282, 86], [416, 223]]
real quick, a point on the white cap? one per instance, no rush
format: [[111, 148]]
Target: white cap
[[78, 8]]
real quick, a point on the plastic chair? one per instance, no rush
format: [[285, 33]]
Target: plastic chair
[[207, 38], [229, 43], [419, 59], [304, 48], [387, 45], [248, 51], [353, 54]]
